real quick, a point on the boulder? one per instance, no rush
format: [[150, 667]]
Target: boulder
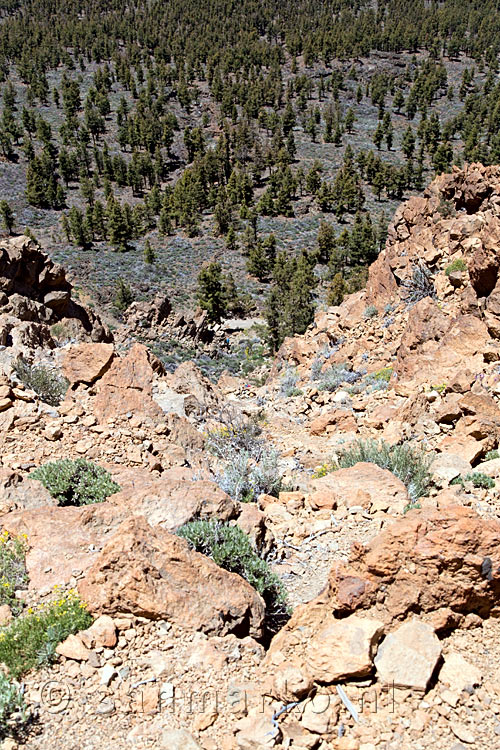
[[171, 504], [408, 656], [458, 673], [127, 386], [342, 649], [363, 484], [151, 573], [337, 420], [178, 739], [448, 466], [426, 560], [85, 363], [19, 493]]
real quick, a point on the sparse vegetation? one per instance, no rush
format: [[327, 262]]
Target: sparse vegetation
[[288, 385], [78, 482], [406, 461], [47, 384], [31, 639], [12, 569], [479, 480], [231, 549], [245, 477], [419, 285], [370, 312], [491, 455], [457, 265], [236, 433], [14, 712], [336, 375]]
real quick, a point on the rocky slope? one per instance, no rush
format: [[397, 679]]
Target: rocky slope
[[393, 641]]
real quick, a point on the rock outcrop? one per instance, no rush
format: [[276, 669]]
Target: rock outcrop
[[149, 572], [34, 295]]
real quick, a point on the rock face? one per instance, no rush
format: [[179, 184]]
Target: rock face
[[364, 484], [127, 386], [85, 363], [424, 562], [152, 573], [35, 291], [408, 656]]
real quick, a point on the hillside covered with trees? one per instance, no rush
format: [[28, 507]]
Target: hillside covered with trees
[[246, 155]]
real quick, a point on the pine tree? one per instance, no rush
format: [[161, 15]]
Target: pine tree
[[124, 296], [210, 291], [149, 253], [326, 241], [7, 216], [336, 291]]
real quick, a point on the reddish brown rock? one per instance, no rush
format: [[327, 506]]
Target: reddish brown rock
[[425, 561], [127, 386], [172, 503], [152, 573], [85, 363], [338, 420], [363, 484]]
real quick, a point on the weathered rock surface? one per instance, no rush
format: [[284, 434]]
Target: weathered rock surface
[[364, 484], [85, 363], [127, 386], [152, 573], [407, 657]]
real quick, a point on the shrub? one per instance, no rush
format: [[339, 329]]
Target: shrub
[[478, 479], [246, 477], [406, 461], [236, 433], [288, 385], [231, 549], [31, 639], [77, 482], [322, 471], [370, 312], [456, 265], [12, 569], [492, 455], [46, 383], [419, 286], [13, 709], [331, 378]]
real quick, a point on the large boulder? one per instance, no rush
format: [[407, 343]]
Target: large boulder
[[85, 363], [170, 503], [127, 386], [364, 484], [151, 573], [423, 562]]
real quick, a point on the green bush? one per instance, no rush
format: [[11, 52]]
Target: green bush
[[235, 432], [12, 569], [492, 455], [478, 479], [46, 383], [13, 709], [77, 482], [406, 461], [370, 312], [245, 477], [230, 548], [457, 265], [31, 639]]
